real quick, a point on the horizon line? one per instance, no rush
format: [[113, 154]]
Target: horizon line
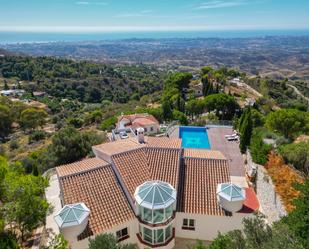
[[111, 29]]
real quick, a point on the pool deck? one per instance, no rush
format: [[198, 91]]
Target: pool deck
[[230, 149]]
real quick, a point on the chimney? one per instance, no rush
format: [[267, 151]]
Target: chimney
[[140, 135]]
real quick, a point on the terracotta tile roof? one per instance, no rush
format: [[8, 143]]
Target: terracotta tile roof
[[136, 167], [119, 146], [124, 145], [202, 153], [100, 191], [201, 178], [138, 119], [133, 168], [251, 203], [163, 142], [80, 166], [164, 165]]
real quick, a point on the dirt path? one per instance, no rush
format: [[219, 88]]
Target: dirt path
[[298, 92]]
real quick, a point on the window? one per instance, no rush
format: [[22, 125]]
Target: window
[[145, 129], [188, 224], [159, 236], [148, 235], [156, 236], [147, 214], [122, 234], [169, 212], [151, 128], [168, 232], [158, 215]]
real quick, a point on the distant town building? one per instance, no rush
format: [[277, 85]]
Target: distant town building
[[236, 82], [39, 94], [134, 121], [197, 90], [12, 92]]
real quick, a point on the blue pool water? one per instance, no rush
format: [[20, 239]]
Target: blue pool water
[[194, 137]]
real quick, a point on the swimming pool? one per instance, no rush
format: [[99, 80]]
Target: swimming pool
[[194, 137]]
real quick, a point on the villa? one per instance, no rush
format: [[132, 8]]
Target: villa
[[153, 191], [144, 120]]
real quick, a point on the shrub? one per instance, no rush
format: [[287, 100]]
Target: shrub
[[8, 240], [14, 144], [281, 141], [108, 241], [284, 178], [37, 136], [180, 116], [108, 124], [296, 154], [76, 122]]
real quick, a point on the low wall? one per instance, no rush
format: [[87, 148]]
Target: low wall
[[270, 201]]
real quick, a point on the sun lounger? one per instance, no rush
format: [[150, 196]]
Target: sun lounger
[[234, 138], [233, 135]]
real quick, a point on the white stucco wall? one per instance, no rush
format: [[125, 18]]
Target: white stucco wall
[[206, 226], [132, 226], [156, 129]]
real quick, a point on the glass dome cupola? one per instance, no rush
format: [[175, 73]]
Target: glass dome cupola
[[231, 192], [72, 215], [230, 196], [155, 195]]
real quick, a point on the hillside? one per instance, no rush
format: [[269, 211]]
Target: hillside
[[85, 81], [273, 56]]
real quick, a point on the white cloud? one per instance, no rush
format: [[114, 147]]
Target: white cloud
[[91, 3], [142, 13], [220, 4], [82, 3]]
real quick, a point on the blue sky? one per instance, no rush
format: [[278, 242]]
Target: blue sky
[[140, 15]]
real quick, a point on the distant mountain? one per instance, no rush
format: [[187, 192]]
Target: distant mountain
[[4, 52], [274, 56]]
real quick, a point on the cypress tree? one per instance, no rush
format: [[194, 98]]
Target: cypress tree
[[210, 89], [245, 131], [205, 83]]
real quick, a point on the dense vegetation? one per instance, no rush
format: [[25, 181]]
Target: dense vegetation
[[22, 202], [278, 92], [108, 241], [82, 80], [291, 232], [297, 154]]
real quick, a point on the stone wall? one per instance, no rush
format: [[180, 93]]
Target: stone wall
[[270, 201]]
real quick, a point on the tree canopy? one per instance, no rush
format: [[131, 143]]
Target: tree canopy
[[224, 105], [21, 197], [288, 122], [32, 118]]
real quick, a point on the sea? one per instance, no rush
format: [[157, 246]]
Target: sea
[[43, 37]]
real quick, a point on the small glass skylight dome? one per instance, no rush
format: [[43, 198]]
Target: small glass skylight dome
[[230, 196], [155, 201], [72, 218]]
